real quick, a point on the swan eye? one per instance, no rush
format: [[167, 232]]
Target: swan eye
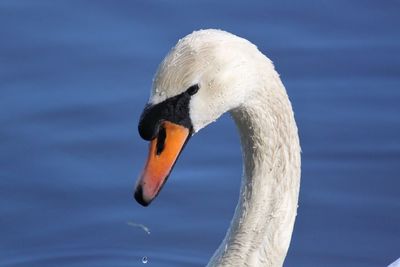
[[193, 89]]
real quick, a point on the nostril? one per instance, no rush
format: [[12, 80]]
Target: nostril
[[162, 135]]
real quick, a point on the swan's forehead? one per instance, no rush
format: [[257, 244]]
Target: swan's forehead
[[180, 69], [195, 59]]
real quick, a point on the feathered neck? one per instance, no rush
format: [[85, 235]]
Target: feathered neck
[[260, 232]]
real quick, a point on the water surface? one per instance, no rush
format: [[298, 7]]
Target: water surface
[[74, 77]]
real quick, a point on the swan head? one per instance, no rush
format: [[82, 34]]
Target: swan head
[[206, 74]]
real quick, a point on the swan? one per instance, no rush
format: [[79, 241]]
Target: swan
[[395, 264], [207, 73]]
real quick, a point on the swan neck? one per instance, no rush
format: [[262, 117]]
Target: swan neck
[[262, 226]]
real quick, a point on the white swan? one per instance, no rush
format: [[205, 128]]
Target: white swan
[[395, 264], [206, 74]]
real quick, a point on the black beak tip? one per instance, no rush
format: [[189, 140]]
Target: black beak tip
[[139, 197]]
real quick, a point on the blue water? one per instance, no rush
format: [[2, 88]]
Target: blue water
[[75, 75]]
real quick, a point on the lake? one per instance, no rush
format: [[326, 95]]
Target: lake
[[75, 76]]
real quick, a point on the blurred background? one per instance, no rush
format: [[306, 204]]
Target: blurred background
[[75, 76]]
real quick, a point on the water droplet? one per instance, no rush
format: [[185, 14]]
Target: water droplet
[[144, 227], [145, 259]]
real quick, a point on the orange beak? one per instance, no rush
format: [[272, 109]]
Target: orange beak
[[163, 153]]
